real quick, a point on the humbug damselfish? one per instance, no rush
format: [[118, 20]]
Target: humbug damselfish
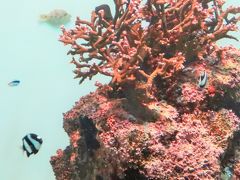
[[31, 143]]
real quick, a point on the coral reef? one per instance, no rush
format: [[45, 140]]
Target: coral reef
[[171, 110], [186, 146]]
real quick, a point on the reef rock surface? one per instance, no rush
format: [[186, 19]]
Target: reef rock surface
[[171, 110], [108, 142]]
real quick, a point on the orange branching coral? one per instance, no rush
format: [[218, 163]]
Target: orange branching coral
[[147, 39]]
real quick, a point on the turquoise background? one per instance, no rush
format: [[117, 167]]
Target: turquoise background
[[31, 52]]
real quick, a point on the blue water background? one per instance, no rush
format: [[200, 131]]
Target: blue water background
[[31, 52]]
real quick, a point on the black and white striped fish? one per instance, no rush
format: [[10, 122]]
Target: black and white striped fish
[[31, 144], [202, 79]]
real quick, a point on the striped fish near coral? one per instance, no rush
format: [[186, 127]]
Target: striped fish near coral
[[31, 143], [56, 17], [202, 79]]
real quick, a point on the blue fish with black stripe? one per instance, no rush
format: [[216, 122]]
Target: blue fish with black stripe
[[14, 83]]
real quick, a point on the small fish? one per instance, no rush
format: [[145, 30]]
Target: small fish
[[31, 144], [56, 17], [202, 79], [227, 173], [107, 15], [14, 83], [188, 69]]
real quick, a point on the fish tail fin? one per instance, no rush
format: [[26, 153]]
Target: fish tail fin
[[28, 154], [43, 17]]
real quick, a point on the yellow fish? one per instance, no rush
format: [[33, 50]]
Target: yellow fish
[[56, 17]]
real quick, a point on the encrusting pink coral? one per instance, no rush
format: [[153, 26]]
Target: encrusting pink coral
[[154, 120], [191, 94], [75, 136], [187, 147]]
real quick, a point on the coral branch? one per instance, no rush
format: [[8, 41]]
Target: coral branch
[[126, 47]]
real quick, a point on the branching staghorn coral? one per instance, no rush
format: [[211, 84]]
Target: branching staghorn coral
[[146, 39]]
